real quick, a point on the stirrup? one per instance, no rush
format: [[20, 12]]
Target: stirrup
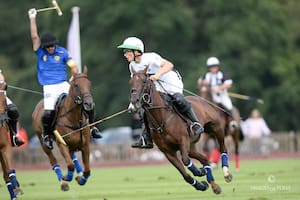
[[196, 128], [16, 142], [47, 140], [142, 144]]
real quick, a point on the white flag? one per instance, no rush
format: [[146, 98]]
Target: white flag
[[73, 41]]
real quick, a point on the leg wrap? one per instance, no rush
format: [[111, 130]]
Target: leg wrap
[[224, 158], [77, 164], [10, 189], [13, 179], [69, 176], [57, 170], [84, 178], [209, 176], [193, 169]]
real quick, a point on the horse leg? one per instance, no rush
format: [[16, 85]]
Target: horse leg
[[85, 153], [187, 161], [70, 165], [236, 138], [55, 166], [9, 185], [78, 167], [218, 133], [172, 157], [15, 182], [193, 153]]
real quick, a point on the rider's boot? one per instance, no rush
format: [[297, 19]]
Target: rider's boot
[[145, 140], [196, 127], [47, 122], [95, 133], [15, 141], [13, 115], [185, 108]]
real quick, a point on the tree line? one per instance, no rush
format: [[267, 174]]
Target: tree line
[[256, 41]]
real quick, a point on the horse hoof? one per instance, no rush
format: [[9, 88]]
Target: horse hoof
[[78, 179], [202, 186], [18, 191], [217, 189], [228, 178], [64, 186], [202, 171]]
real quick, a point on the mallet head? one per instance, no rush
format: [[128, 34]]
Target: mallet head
[[58, 10]]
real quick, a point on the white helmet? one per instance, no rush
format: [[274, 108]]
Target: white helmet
[[212, 61], [132, 43]]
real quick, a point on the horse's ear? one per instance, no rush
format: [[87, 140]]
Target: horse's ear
[[85, 70]]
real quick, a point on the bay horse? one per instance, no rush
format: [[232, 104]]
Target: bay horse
[[171, 133], [9, 174], [70, 118], [235, 133]]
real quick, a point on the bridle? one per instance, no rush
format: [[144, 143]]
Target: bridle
[[145, 97], [78, 97], [145, 100]]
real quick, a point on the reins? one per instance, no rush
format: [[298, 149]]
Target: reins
[[201, 98]]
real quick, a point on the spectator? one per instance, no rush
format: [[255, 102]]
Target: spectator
[[257, 134], [255, 126]]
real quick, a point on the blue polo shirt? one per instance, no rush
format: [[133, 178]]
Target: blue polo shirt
[[51, 68]]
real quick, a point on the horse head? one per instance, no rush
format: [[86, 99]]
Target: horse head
[[80, 90], [140, 88], [204, 89]]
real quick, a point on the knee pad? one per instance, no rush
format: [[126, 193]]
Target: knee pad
[[12, 111]]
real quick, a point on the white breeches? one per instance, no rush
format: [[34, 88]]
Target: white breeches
[[223, 99], [170, 83], [52, 92]]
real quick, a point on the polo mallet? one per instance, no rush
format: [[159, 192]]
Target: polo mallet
[[55, 7], [244, 97]]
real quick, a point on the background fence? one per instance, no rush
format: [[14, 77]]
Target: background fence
[[277, 143]]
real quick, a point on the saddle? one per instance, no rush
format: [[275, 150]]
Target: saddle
[[170, 102], [58, 107]]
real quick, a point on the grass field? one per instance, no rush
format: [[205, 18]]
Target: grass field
[[257, 180]]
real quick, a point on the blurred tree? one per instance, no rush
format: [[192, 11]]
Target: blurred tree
[[256, 41]]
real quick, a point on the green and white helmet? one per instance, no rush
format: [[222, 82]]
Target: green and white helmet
[[132, 43], [212, 61]]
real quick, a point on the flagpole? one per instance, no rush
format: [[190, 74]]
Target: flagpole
[[74, 37]]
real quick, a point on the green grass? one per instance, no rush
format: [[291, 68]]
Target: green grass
[[257, 180]]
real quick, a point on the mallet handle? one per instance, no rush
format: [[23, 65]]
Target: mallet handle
[[244, 97], [45, 9]]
